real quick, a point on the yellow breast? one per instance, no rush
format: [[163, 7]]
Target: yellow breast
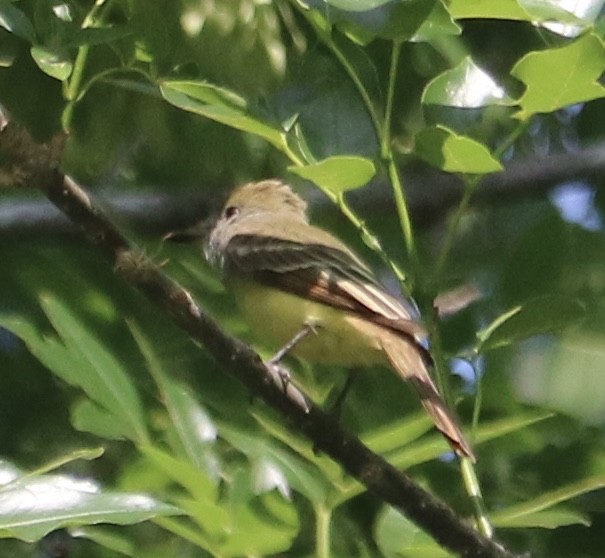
[[276, 317]]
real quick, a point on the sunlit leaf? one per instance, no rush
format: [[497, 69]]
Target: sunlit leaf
[[487, 9], [338, 174], [265, 525], [88, 454], [221, 105], [434, 446], [362, 22], [524, 514], [539, 315], [444, 149], [396, 537], [553, 518], [357, 5], [296, 471], [197, 483], [559, 16], [87, 416], [33, 506], [465, 86], [569, 19], [397, 433], [329, 469], [559, 77], [439, 24], [54, 63]]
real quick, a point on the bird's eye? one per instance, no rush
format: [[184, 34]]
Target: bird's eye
[[231, 212]]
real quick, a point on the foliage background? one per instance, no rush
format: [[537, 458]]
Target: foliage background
[[90, 365]]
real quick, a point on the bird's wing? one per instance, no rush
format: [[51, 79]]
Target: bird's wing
[[330, 275]]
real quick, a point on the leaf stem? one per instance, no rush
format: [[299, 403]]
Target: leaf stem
[[73, 85], [473, 489], [386, 153], [323, 517]]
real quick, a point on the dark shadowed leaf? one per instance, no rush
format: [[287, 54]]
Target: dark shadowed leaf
[[15, 21]]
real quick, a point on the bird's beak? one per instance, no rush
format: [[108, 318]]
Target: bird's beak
[[197, 233]]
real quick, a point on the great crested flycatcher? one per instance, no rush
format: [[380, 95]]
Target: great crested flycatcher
[[288, 276]]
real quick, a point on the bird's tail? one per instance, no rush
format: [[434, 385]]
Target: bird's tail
[[408, 360]]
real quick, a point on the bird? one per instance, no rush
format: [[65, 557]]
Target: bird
[[302, 289]]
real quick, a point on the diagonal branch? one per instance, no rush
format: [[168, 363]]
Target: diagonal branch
[[37, 166]]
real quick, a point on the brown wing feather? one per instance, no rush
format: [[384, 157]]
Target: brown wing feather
[[328, 275], [410, 365]]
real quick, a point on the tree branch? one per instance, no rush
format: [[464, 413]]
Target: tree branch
[[37, 165], [431, 194]]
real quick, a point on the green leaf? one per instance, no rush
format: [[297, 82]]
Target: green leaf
[[108, 539], [220, 105], [192, 424], [260, 450], [562, 17], [362, 22], [492, 9], [553, 518], [97, 36], [318, 489], [266, 525], [397, 537], [357, 5], [434, 446], [559, 77], [31, 507], [195, 481], [87, 416], [527, 513], [544, 314], [394, 21], [465, 86], [88, 454], [439, 24], [56, 64], [15, 21], [338, 174], [81, 360], [451, 152], [397, 433], [551, 14]]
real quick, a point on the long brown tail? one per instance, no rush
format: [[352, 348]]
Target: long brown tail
[[409, 362]]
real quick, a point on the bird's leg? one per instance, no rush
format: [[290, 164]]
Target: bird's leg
[[336, 398], [309, 326], [338, 393]]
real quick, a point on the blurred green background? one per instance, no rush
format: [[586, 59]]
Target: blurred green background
[[531, 240]]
